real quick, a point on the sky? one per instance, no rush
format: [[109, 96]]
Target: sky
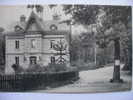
[[11, 14]]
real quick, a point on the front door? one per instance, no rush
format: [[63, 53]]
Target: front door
[[33, 60]]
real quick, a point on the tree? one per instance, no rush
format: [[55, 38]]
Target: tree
[[2, 46], [38, 8], [112, 18], [87, 42], [60, 47], [2, 50], [117, 18], [75, 48], [82, 14]]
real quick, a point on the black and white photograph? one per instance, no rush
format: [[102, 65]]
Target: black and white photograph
[[61, 48]]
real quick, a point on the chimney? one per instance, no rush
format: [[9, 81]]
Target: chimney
[[22, 18]]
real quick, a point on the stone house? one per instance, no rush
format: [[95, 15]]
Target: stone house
[[32, 41]]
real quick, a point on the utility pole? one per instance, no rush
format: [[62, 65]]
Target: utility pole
[[116, 73], [95, 54], [70, 40]]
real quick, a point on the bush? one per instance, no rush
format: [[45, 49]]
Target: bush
[[17, 68], [52, 67], [57, 67], [36, 68]]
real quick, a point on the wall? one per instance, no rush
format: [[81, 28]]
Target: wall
[[42, 50], [12, 52]]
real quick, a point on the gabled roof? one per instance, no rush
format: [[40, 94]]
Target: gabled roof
[[45, 25], [60, 26], [41, 26], [17, 23], [37, 20]]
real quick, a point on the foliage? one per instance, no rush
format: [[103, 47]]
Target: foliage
[[60, 47], [120, 21], [39, 8], [112, 22], [2, 46], [57, 67], [35, 68], [17, 68], [1, 29], [82, 47], [82, 14]]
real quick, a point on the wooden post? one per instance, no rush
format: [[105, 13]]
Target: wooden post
[[95, 54], [116, 73], [70, 40]]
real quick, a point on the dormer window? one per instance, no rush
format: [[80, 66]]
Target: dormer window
[[53, 27], [22, 18], [17, 28]]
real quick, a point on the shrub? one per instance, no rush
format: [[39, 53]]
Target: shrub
[[17, 68], [57, 67], [52, 67], [36, 68]]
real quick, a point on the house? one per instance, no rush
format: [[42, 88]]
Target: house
[[32, 41]]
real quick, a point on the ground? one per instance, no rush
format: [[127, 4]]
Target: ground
[[95, 81]]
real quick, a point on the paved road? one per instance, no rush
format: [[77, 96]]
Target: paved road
[[94, 81]]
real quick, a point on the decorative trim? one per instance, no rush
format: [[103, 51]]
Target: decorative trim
[[31, 53], [35, 37], [15, 37], [53, 37], [14, 53]]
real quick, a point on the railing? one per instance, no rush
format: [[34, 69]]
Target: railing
[[29, 81]]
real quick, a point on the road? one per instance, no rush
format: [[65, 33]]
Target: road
[[94, 81]]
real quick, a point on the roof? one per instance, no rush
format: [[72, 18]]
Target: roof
[[43, 33], [44, 27], [37, 20], [14, 34], [61, 26]]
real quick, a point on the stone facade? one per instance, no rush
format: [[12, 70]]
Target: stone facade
[[31, 43]]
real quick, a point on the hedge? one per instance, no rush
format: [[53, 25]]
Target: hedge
[[30, 81]]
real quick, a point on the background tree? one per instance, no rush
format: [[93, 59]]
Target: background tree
[[119, 19], [2, 50], [112, 22], [82, 14], [38, 8], [2, 46], [114, 19]]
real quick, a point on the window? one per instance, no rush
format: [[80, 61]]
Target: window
[[33, 43], [17, 44], [33, 60], [53, 27], [52, 59], [52, 43], [17, 60]]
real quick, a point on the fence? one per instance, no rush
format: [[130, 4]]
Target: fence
[[29, 81]]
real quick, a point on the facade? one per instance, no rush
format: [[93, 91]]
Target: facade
[[32, 41]]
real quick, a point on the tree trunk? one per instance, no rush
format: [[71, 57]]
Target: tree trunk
[[116, 73]]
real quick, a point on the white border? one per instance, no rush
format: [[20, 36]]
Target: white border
[[94, 2], [44, 96]]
